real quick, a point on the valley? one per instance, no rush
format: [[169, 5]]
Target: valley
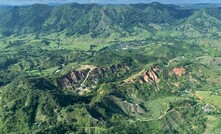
[[87, 68]]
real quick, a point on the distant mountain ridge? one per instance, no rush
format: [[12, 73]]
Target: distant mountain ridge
[[86, 18], [89, 68], [95, 20]]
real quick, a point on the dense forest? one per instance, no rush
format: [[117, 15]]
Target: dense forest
[[88, 68]]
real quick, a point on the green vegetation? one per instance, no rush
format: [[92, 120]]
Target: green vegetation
[[140, 68], [210, 98]]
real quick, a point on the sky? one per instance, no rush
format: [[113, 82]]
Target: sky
[[25, 2]]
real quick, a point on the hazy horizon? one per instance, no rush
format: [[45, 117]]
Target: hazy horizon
[[28, 2]]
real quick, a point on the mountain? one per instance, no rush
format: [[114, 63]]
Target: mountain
[[88, 68], [84, 19], [4, 9], [98, 20], [200, 5]]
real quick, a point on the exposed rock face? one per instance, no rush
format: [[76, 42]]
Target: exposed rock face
[[118, 68], [89, 77], [112, 68], [92, 75], [73, 77], [152, 76], [66, 83], [97, 72], [149, 76]]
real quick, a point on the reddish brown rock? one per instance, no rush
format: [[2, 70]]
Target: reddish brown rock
[[66, 83], [74, 76], [146, 78], [179, 71], [151, 76]]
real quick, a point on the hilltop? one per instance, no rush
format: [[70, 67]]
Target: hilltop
[[88, 68], [76, 19]]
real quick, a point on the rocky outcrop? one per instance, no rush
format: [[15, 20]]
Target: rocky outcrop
[[73, 77], [91, 75], [119, 68], [98, 72], [151, 76], [88, 78], [66, 83]]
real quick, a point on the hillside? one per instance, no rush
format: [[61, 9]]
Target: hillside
[[86, 19], [87, 68]]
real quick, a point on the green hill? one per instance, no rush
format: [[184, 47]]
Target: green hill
[[87, 19], [87, 68]]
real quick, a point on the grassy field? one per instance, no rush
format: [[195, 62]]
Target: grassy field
[[209, 98], [45, 72], [213, 125], [158, 107]]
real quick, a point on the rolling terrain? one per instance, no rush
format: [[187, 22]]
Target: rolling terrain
[[87, 68]]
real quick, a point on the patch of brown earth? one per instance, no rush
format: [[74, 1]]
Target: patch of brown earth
[[66, 83], [199, 96], [151, 75], [178, 71], [89, 73], [177, 84]]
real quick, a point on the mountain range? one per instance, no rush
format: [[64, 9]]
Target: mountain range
[[93, 68], [76, 19]]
